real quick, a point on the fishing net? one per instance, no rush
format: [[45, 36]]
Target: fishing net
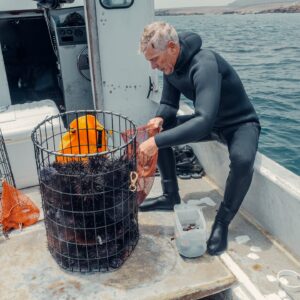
[[146, 171], [16, 209]]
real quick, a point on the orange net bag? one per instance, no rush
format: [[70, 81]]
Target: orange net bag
[[146, 172], [16, 209]]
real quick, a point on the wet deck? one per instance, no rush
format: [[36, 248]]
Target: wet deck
[[155, 270]]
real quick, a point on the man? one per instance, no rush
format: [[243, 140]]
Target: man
[[222, 111]]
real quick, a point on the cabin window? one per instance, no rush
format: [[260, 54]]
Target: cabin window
[[116, 3]]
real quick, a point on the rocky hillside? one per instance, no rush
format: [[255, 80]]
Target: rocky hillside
[[261, 8], [243, 3]]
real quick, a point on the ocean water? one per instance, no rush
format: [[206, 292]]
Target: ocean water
[[265, 51]]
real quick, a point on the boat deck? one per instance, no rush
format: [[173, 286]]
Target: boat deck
[[155, 270]]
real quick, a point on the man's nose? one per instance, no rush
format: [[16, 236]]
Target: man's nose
[[153, 65]]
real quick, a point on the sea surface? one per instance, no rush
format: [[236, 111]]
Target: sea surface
[[265, 51]]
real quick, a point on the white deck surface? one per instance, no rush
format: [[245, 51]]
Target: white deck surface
[[155, 270]]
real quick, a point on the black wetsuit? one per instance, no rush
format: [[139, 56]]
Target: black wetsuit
[[222, 111]]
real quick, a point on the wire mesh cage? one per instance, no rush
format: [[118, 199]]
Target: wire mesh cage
[[87, 180], [5, 168]]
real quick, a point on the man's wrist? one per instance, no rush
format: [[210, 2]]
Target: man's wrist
[[161, 120]]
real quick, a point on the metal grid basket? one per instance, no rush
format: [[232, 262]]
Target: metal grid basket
[[89, 204], [5, 168]]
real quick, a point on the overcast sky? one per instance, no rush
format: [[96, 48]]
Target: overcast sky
[[189, 3]]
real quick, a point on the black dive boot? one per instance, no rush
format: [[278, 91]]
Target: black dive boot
[[170, 197], [217, 242]]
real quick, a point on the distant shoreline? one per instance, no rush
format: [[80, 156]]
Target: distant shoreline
[[226, 10]]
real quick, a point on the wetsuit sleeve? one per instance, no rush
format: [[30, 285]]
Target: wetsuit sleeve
[[207, 84], [169, 103]]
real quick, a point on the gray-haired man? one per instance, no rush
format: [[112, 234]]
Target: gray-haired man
[[222, 111]]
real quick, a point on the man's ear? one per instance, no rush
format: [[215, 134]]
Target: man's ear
[[171, 44], [172, 47]]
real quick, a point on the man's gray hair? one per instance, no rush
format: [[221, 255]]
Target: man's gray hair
[[158, 34]]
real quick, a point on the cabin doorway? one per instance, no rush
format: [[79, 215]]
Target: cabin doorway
[[30, 61]]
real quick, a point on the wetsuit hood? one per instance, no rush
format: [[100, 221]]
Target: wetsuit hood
[[190, 44]]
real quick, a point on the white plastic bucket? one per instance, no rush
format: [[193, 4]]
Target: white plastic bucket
[[190, 230]]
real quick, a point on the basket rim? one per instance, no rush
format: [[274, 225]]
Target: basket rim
[[56, 116]]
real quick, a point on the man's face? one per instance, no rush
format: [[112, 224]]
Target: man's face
[[163, 60]]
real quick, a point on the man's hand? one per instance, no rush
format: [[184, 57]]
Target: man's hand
[[147, 150], [156, 123]]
